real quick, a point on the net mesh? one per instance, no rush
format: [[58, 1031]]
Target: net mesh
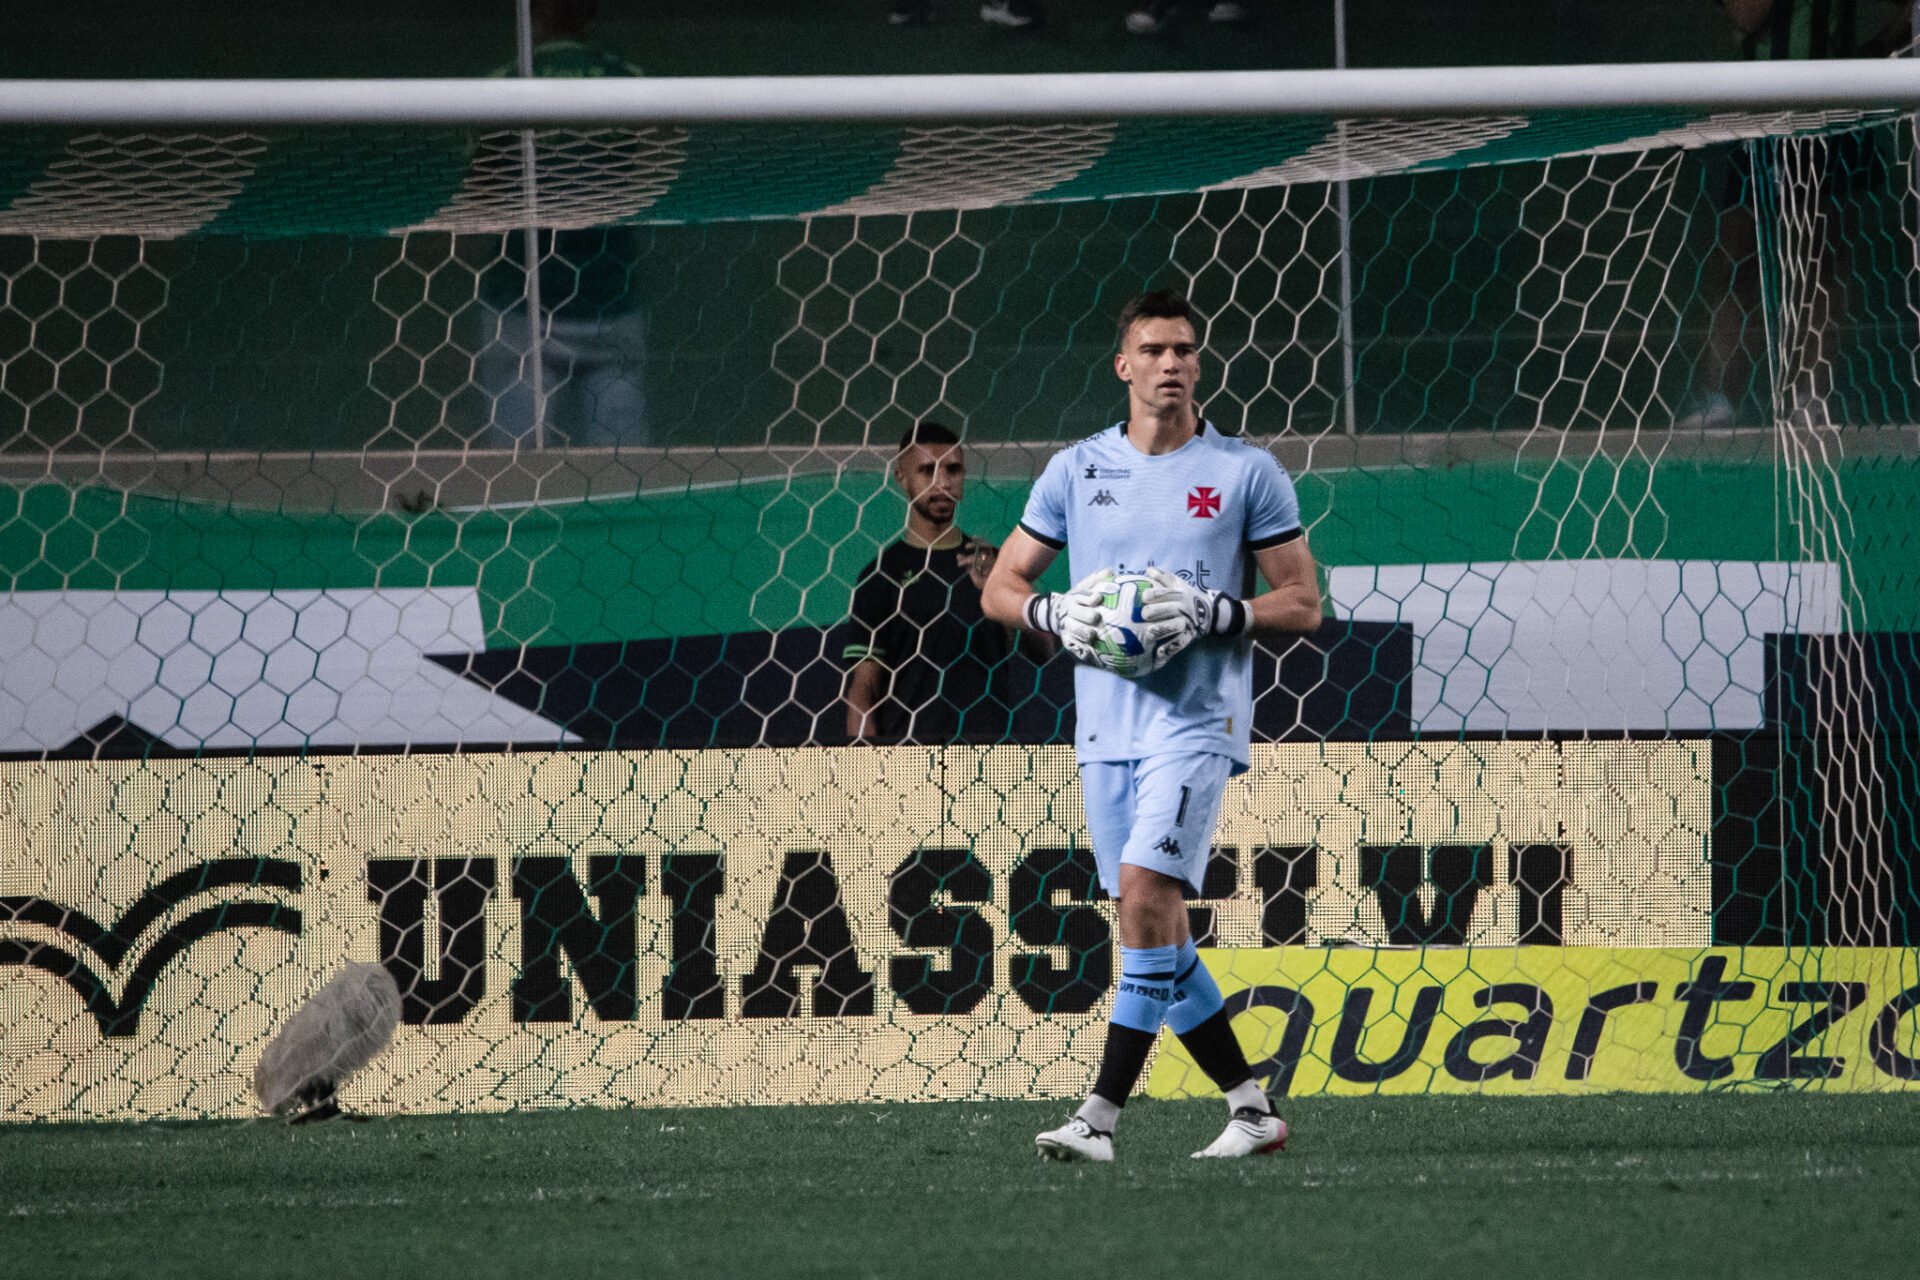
[[387, 581]]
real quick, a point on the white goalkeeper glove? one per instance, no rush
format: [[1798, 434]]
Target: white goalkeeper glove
[[1072, 615], [1210, 613]]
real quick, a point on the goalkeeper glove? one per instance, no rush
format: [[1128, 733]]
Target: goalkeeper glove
[[1211, 613], [1073, 615]]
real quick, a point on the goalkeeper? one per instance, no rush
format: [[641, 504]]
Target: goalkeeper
[[1165, 494]]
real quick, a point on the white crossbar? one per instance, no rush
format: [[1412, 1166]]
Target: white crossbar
[[1715, 86]]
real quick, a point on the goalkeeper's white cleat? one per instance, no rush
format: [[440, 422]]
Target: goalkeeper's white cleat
[[1249, 1133], [1076, 1140]]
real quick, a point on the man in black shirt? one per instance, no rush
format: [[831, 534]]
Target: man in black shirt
[[922, 659]]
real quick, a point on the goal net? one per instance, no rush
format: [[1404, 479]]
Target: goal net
[[436, 547]]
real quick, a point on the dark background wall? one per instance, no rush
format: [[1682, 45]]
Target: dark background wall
[[119, 38]]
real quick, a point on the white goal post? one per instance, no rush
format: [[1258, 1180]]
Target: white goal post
[[1355, 93]]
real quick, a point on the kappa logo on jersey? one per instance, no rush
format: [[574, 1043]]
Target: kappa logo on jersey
[[1203, 502], [1103, 499]]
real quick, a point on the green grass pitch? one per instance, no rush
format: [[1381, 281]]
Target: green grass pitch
[[1736, 1186]]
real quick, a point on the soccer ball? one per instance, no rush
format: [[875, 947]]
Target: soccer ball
[[1124, 642]]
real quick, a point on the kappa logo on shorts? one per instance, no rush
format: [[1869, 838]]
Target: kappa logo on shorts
[[1169, 846], [1203, 502]]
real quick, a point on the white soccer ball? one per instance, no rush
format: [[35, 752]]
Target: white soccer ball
[[1124, 641]]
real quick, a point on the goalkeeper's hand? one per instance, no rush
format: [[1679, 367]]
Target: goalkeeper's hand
[[1072, 615], [1209, 613]]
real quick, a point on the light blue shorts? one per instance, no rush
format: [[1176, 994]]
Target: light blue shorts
[[1156, 813]]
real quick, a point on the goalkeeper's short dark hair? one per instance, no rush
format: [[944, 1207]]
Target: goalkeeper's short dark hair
[[1161, 304], [927, 432]]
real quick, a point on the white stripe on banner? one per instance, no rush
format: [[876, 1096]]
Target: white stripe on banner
[[1377, 146], [1732, 126], [974, 167], [238, 669], [1604, 645], [580, 179], [137, 184]]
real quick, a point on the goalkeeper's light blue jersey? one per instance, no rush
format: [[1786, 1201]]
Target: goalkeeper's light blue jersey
[[1200, 512]]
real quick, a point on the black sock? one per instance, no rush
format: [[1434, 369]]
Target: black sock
[[1217, 1052], [1127, 1049]]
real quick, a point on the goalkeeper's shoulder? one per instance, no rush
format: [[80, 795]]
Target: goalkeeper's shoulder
[[1248, 451], [1070, 466], [1087, 446], [1273, 502]]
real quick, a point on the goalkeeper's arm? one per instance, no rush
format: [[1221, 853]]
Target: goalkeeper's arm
[[1009, 596], [1291, 604]]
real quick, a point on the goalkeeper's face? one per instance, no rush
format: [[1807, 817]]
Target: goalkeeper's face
[[934, 478], [1160, 363]]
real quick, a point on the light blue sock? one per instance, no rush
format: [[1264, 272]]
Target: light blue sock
[[1146, 988], [1196, 996]]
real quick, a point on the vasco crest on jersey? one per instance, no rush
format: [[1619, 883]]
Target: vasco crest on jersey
[[1203, 502]]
